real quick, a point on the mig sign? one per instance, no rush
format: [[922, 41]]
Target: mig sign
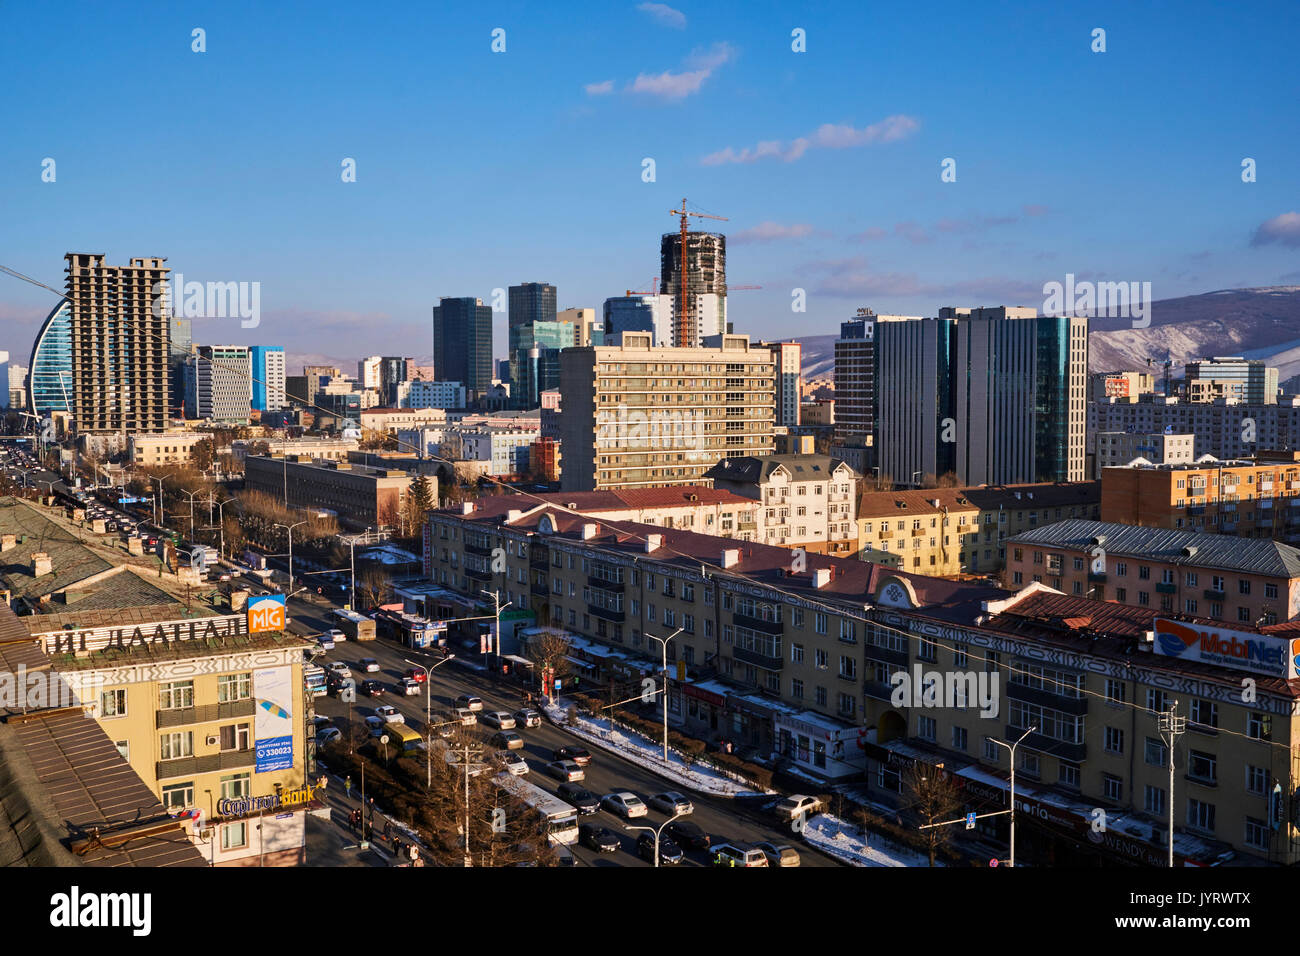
[[266, 613]]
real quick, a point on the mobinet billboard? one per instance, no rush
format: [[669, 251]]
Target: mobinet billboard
[[1223, 647]]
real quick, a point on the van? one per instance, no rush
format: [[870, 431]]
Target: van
[[738, 854]]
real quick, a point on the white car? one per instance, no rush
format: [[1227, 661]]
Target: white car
[[797, 805], [329, 735], [340, 668], [565, 770], [528, 717], [336, 634], [516, 764], [467, 716], [470, 702], [370, 665], [410, 687], [389, 714], [498, 719], [626, 804], [325, 642]]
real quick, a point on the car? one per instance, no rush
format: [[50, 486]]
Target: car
[[688, 834], [329, 735], [409, 687], [582, 799], [564, 856], [672, 803], [389, 714], [600, 839], [445, 724], [498, 719], [372, 688], [325, 642], [336, 634], [320, 722], [415, 674], [578, 755], [565, 770], [625, 803], [370, 665], [529, 718], [375, 724], [669, 852], [338, 667], [507, 740], [467, 716], [796, 805], [470, 702], [514, 762], [738, 854], [779, 854]]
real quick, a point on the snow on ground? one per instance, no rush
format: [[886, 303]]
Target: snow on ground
[[844, 841], [647, 753]]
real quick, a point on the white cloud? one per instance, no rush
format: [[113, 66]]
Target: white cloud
[[599, 89], [1283, 229], [826, 136], [664, 14], [769, 231], [675, 86]]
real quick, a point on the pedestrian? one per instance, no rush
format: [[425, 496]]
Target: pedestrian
[[347, 785]]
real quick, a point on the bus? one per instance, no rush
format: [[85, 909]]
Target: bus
[[561, 819], [356, 626], [315, 680], [403, 738]]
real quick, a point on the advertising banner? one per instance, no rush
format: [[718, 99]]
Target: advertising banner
[[266, 613], [273, 720]]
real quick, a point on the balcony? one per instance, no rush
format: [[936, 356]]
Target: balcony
[[757, 624], [541, 589], [190, 766], [606, 614], [1228, 526], [1096, 575], [1264, 523], [478, 575], [758, 659], [205, 713], [750, 525], [1163, 588], [1074, 706], [480, 549], [1213, 595], [1057, 748], [602, 584], [918, 532], [880, 690]]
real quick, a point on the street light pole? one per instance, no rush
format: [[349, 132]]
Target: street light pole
[[656, 830], [663, 644], [291, 527], [158, 510], [499, 607], [1012, 749], [428, 713]]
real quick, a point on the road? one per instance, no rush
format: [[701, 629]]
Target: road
[[720, 818]]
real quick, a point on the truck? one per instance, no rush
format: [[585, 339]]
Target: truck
[[356, 626]]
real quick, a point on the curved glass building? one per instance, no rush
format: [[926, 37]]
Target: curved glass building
[[49, 381]]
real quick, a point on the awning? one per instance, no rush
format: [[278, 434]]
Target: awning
[[691, 690], [515, 658], [579, 663]]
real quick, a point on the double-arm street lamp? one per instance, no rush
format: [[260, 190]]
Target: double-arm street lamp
[[428, 712], [656, 830], [663, 644], [291, 527]]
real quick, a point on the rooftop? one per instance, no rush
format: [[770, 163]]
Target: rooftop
[[883, 504], [1191, 548], [622, 500], [758, 468]]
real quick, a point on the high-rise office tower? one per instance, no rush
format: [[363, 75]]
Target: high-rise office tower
[[268, 377], [636, 416], [706, 286], [913, 403], [787, 359], [121, 344], [531, 302], [584, 323], [462, 343], [368, 371], [393, 371], [639, 313], [218, 383], [182, 342], [854, 379], [49, 382], [533, 324], [1231, 377], [1022, 385]]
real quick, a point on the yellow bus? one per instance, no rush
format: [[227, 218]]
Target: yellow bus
[[403, 738]]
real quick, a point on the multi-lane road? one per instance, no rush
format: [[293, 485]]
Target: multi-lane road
[[722, 819]]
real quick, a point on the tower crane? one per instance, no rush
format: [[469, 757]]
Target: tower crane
[[683, 315]]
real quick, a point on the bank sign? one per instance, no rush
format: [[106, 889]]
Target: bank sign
[[266, 613], [1238, 650], [273, 718]]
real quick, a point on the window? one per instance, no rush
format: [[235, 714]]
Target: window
[[1153, 801], [1256, 779], [176, 745], [1200, 816], [232, 687], [796, 688], [926, 650], [1157, 701], [234, 836], [1155, 752], [1259, 726], [821, 659], [959, 738], [848, 704], [1067, 774], [1114, 691], [925, 727], [1257, 833], [990, 750], [1114, 740], [796, 653], [1201, 766], [176, 695], [1029, 763], [820, 696], [819, 622], [236, 785], [796, 617], [178, 796], [112, 703], [124, 748], [848, 667], [234, 737], [959, 656], [1205, 713], [1112, 787]]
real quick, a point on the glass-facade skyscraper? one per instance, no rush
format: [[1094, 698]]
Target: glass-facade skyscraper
[[49, 379], [462, 343]]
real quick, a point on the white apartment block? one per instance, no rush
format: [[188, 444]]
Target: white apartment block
[[1119, 448], [368, 371], [807, 501], [219, 383], [1222, 430], [162, 448], [787, 360], [505, 449], [435, 395], [637, 416]]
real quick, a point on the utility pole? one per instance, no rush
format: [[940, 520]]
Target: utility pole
[[1171, 728], [663, 645], [498, 608], [465, 762], [1012, 749]]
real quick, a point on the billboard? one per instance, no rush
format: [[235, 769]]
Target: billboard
[[273, 719], [1239, 650], [266, 613]]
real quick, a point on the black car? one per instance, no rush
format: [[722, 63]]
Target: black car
[[669, 852], [688, 834], [578, 755], [600, 839], [582, 799], [372, 688]]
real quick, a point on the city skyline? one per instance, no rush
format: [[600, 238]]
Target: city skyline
[[834, 192]]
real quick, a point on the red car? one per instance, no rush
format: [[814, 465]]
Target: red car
[[416, 675]]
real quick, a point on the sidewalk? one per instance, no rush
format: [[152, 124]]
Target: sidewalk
[[345, 840]]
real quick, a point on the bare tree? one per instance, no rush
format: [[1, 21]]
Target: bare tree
[[550, 649], [934, 798]]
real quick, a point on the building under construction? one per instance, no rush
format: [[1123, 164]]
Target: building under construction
[[706, 286], [120, 344]]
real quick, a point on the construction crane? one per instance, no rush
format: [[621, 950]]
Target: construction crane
[[742, 288], [1168, 363], [683, 316], [654, 288]]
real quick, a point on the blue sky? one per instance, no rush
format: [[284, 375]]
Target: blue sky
[[477, 170]]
